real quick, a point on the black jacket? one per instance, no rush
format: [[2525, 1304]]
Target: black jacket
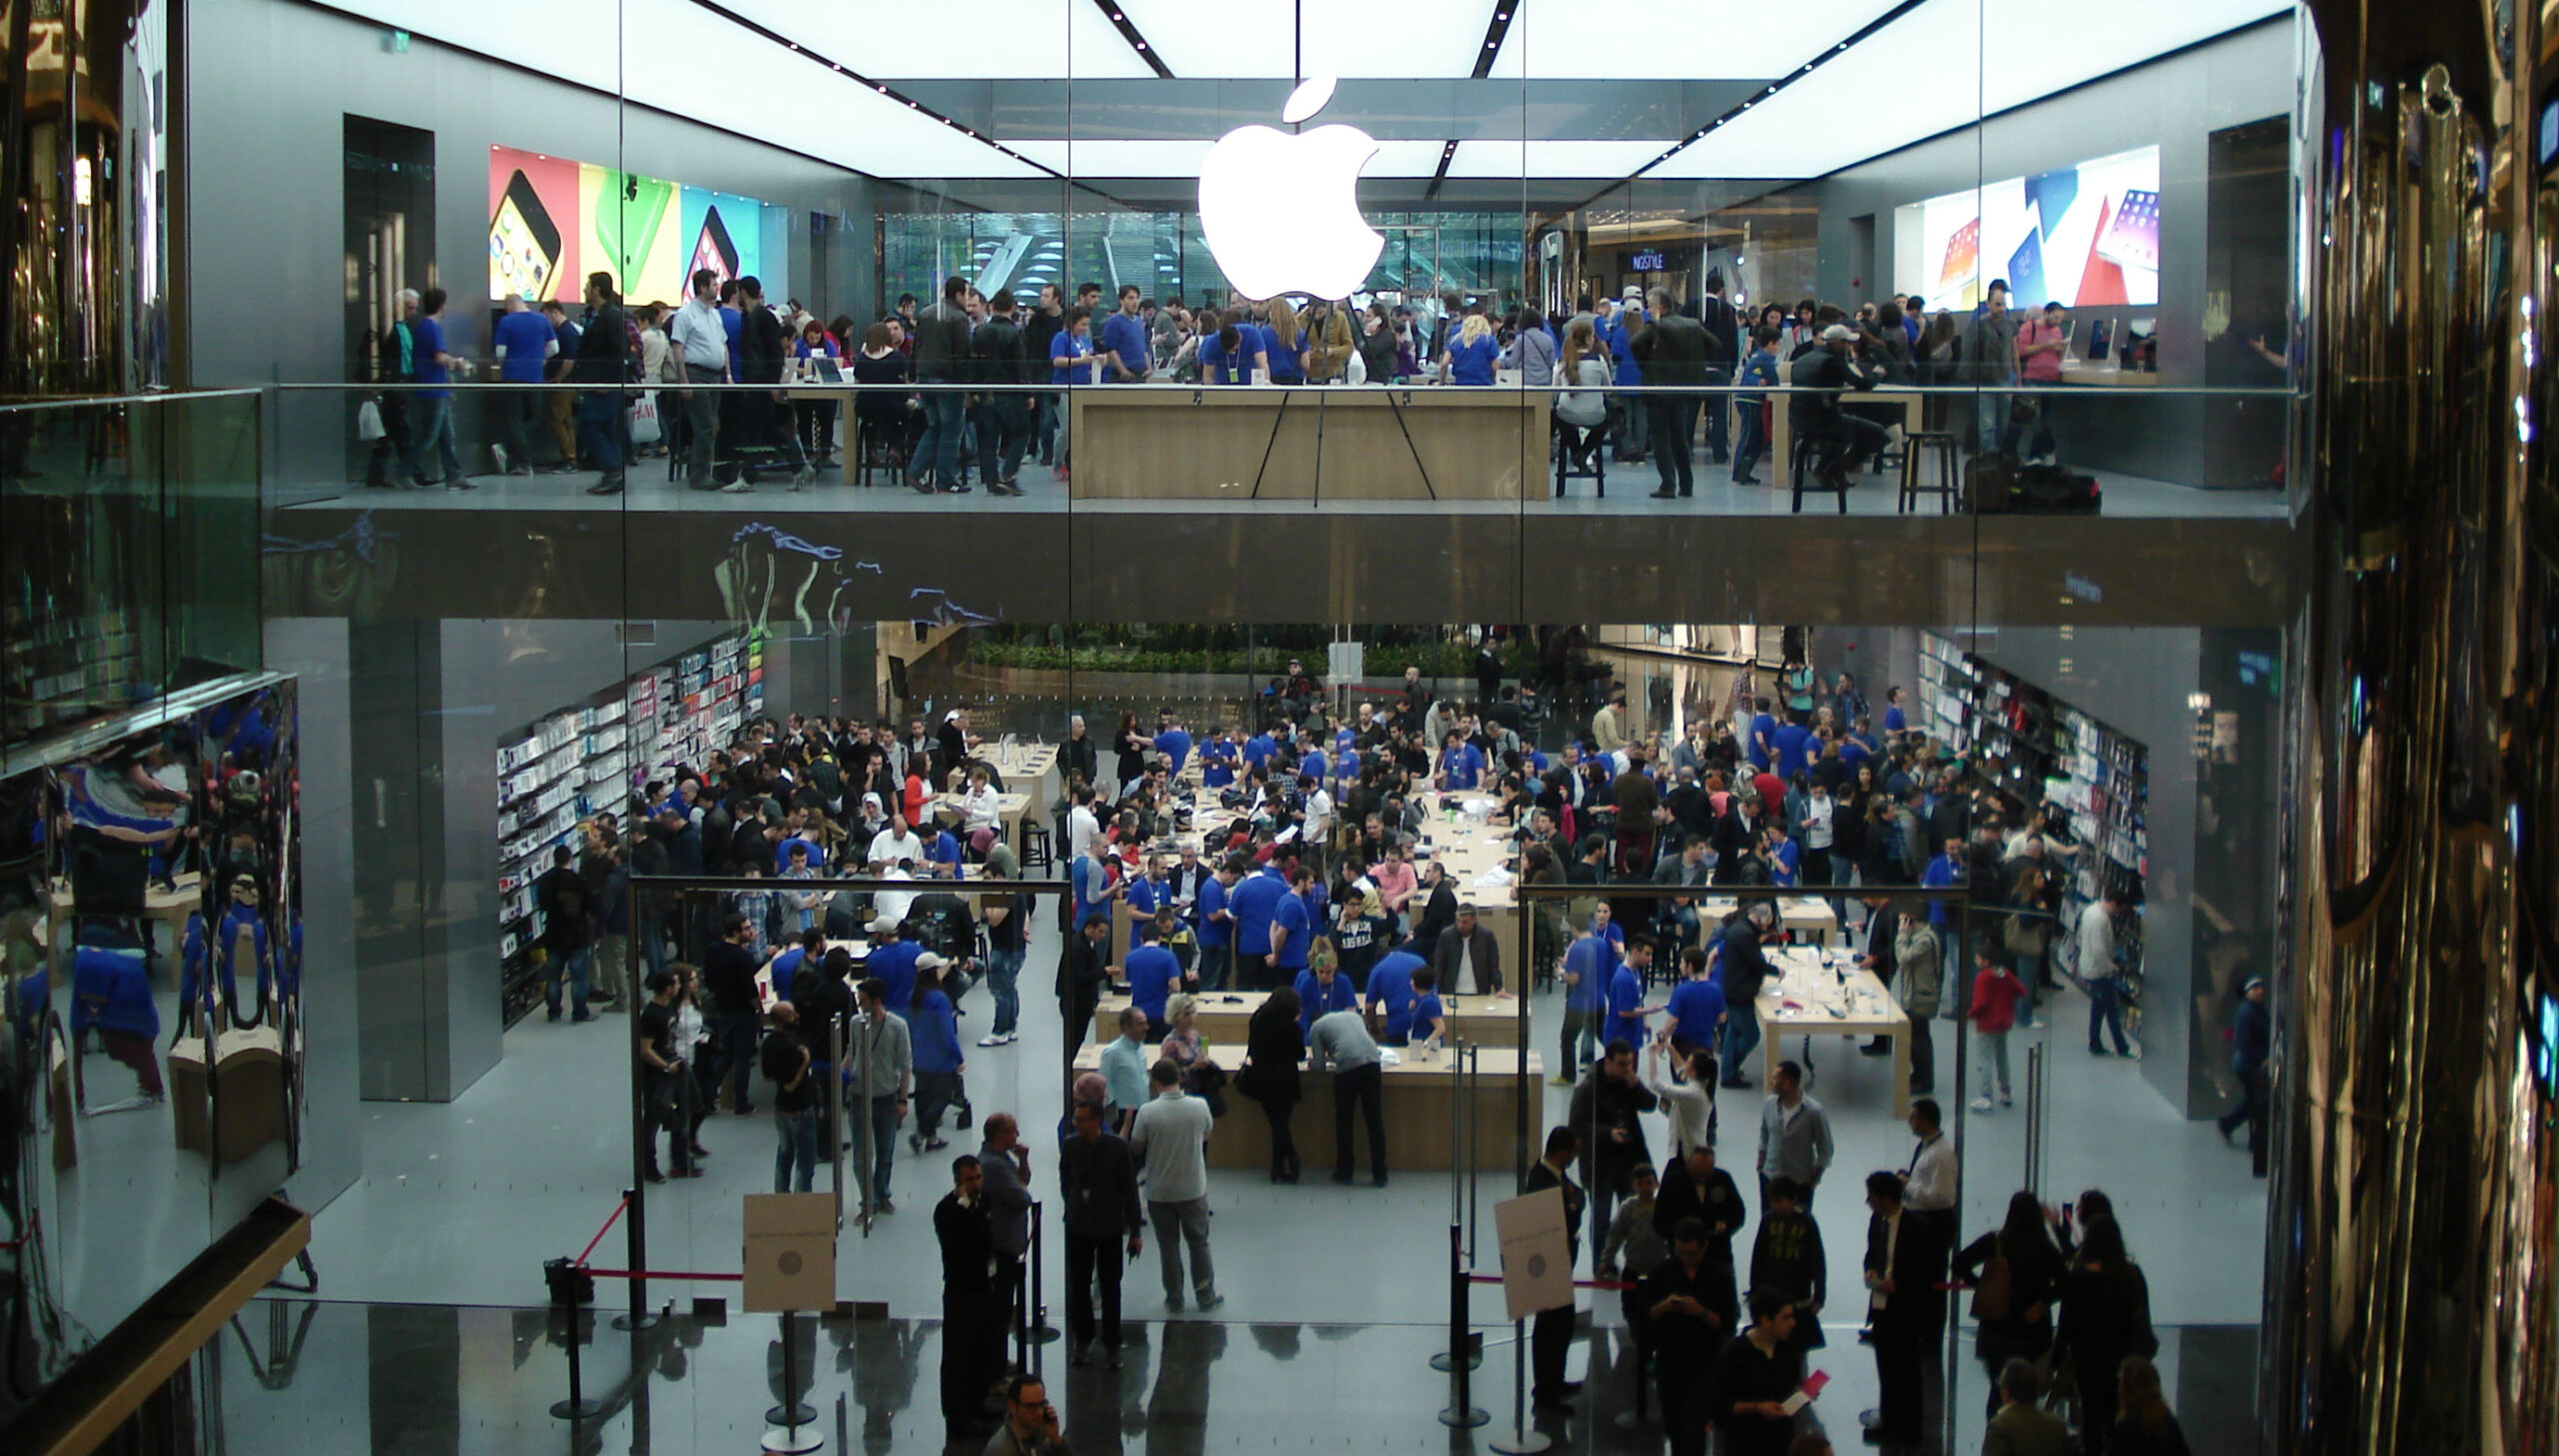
[[1600, 1106], [1001, 356], [759, 347], [1672, 350], [1081, 971], [1917, 1263], [1486, 953], [1723, 330], [1099, 1181], [1275, 1046], [968, 1243], [1719, 1201]]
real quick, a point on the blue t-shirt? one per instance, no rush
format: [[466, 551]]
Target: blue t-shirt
[[1426, 1011], [1283, 362], [1126, 337], [1216, 764], [945, 848], [936, 1033], [1762, 727], [431, 370], [1391, 988], [1894, 721], [525, 336], [1695, 1007], [1174, 744], [1258, 748], [1625, 997], [1316, 999], [1464, 764], [781, 854], [1078, 345], [1151, 970], [1622, 348], [894, 962], [1295, 926], [1593, 960], [1212, 898], [1939, 874], [1792, 741], [1253, 902], [732, 323], [1853, 752], [1788, 872], [1314, 766], [1474, 363], [1144, 894], [568, 334]]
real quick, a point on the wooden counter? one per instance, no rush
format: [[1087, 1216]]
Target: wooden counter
[[1800, 1002], [1418, 1101], [1781, 428], [1226, 1017], [1198, 443]]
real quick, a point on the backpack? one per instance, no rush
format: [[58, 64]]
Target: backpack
[[1994, 1293]]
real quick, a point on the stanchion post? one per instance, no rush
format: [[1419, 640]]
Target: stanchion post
[[789, 1417], [636, 1258], [1042, 1333], [565, 1285], [1521, 1441], [1460, 1362]]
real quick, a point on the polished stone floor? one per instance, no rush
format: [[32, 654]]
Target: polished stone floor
[[298, 1377]]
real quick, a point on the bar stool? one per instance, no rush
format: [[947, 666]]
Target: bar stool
[[1035, 853], [1914, 465], [1806, 446]]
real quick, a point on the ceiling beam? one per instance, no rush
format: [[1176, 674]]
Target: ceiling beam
[[1495, 33], [1137, 42]]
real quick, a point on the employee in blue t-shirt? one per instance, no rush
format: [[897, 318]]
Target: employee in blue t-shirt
[[1430, 1017], [1461, 766], [1894, 721], [1124, 339], [1154, 973], [1292, 925], [1697, 1005], [1389, 996], [1217, 760], [1174, 744], [1217, 927], [1763, 747], [1626, 1011], [1146, 893], [1792, 739], [1321, 988], [1472, 354], [523, 343], [434, 457], [1253, 904], [1589, 966]]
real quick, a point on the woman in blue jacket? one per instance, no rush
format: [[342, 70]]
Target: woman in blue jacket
[[933, 1027]]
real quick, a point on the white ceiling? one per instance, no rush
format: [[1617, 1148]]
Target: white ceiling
[[1935, 68]]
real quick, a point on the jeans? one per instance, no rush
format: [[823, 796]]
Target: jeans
[[1626, 417], [572, 967], [732, 1035], [432, 442], [1990, 422], [796, 1138], [883, 1145], [518, 413], [939, 450], [2030, 966], [1580, 1038], [1003, 432], [1991, 1059], [1673, 424], [1177, 1224], [666, 1110], [1364, 1086], [1740, 1039], [1217, 967], [600, 431], [1046, 408], [2105, 1009], [1089, 1260], [1003, 968], [701, 422]]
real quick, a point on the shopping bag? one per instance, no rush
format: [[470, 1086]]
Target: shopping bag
[[644, 420], [368, 426]]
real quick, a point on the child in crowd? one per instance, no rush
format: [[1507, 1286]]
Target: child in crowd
[[1995, 994]]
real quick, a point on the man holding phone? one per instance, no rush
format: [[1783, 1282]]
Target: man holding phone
[[700, 345], [1029, 1421]]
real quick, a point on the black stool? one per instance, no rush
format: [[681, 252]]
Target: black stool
[[1035, 848], [1598, 472], [1807, 446], [1914, 467]]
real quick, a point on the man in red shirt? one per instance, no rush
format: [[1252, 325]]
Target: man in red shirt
[[2040, 345]]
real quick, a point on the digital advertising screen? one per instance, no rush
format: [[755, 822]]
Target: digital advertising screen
[[553, 221], [2085, 235]]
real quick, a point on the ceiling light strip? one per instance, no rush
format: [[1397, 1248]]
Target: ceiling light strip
[[1495, 33], [1768, 91], [1440, 174], [1137, 42]]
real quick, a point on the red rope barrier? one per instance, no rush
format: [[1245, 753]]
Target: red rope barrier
[[663, 1274], [581, 1261]]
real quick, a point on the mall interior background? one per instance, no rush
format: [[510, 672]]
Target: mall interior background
[[251, 180]]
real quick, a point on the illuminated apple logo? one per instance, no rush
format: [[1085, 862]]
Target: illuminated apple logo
[[1282, 212]]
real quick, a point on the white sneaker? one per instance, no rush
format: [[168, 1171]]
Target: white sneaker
[[498, 453], [739, 487], [1981, 1104], [993, 1040]]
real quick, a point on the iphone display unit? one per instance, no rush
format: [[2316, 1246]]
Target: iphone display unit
[[524, 244]]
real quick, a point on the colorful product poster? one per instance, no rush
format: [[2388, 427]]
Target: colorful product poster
[[553, 221], [628, 224], [533, 237], [2085, 235]]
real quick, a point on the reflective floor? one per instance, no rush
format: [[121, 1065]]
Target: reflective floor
[[296, 1376]]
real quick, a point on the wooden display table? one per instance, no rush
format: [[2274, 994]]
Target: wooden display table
[[1226, 1017], [1803, 914], [1222, 443], [1809, 1000], [170, 907], [1418, 1101], [947, 808]]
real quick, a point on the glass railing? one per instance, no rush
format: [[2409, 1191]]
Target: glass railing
[[130, 564]]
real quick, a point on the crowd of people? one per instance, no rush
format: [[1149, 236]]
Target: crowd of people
[[1285, 855], [994, 366]]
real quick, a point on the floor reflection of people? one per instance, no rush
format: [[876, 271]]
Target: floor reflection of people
[[1177, 1405], [886, 1358]]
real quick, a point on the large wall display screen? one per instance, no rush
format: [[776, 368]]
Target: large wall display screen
[[553, 221], [2085, 235]]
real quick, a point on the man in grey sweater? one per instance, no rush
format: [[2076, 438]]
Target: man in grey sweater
[[1794, 1134], [1340, 1041], [1170, 1140], [1005, 1167], [883, 1073]]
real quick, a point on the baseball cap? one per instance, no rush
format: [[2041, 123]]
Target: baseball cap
[[930, 961], [1837, 332], [884, 926]]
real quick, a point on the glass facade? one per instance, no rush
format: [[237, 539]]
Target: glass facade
[[2038, 515]]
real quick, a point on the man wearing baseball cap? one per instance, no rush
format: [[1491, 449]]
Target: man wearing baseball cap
[[2252, 1031], [1847, 440]]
